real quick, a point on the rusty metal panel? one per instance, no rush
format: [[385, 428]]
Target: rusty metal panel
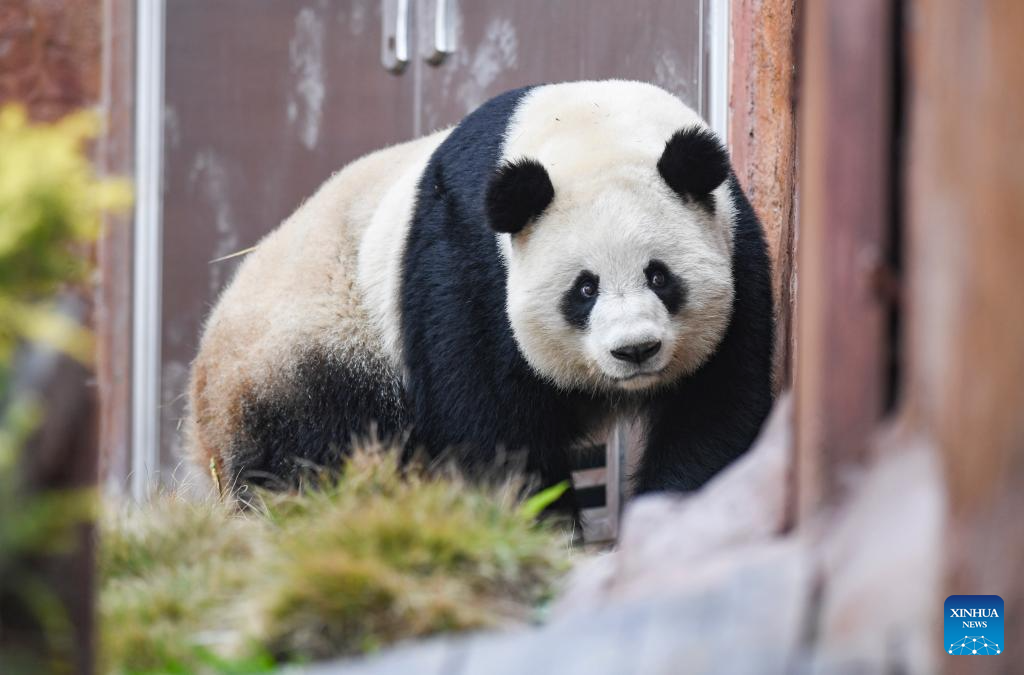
[[762, 140]]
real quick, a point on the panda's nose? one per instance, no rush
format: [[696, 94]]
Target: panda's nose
[[637, 353]]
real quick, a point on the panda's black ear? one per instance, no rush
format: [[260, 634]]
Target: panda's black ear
[[519, 192], [694, 163]]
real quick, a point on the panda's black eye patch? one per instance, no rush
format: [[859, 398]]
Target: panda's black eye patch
[[579, 300], [669, 288]]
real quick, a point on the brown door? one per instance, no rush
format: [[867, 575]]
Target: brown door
[[501, 45], [264, 99]]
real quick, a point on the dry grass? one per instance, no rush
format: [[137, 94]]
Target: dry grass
[[370, 559]]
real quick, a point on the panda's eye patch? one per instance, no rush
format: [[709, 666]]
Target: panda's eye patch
[[579, 299], [669, 288]]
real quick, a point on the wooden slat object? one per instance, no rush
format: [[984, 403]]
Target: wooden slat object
[[589, 477], [601, 524], [966, 330], [845, 179]]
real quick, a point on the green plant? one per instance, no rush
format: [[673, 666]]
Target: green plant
[[51, 204], [373, 557]]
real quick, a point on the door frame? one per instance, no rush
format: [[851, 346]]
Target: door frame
[[147, 245], [717, 30]]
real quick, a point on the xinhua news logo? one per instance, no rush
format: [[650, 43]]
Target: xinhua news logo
[[974, 625]]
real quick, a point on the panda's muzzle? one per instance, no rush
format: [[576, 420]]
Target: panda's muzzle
[[637, 353]]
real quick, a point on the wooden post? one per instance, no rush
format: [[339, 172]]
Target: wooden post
[[846, 176], [966, 333]]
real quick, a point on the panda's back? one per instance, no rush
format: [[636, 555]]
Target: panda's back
[[314, 294]]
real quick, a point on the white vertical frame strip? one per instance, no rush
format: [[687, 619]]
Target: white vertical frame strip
[[718, 71], [147, 276]]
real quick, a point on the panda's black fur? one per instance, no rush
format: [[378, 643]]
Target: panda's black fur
[[329, 405], [468, 390]]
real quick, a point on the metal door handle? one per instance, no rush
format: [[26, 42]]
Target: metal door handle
[[443, 42], [395, 38]]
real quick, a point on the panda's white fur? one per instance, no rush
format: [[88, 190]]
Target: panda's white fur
[[381, 249]]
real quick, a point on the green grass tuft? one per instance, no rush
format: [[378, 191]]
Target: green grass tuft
[[377, 556]]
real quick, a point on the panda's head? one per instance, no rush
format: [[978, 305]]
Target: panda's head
[[619, 271]]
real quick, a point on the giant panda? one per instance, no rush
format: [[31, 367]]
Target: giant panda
[[568, 255]]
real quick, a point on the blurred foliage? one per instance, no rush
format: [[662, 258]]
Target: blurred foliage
[[51, 205], [378, 555]]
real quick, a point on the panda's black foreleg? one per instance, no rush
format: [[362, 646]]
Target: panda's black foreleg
[[689, 441], [710, 418]]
